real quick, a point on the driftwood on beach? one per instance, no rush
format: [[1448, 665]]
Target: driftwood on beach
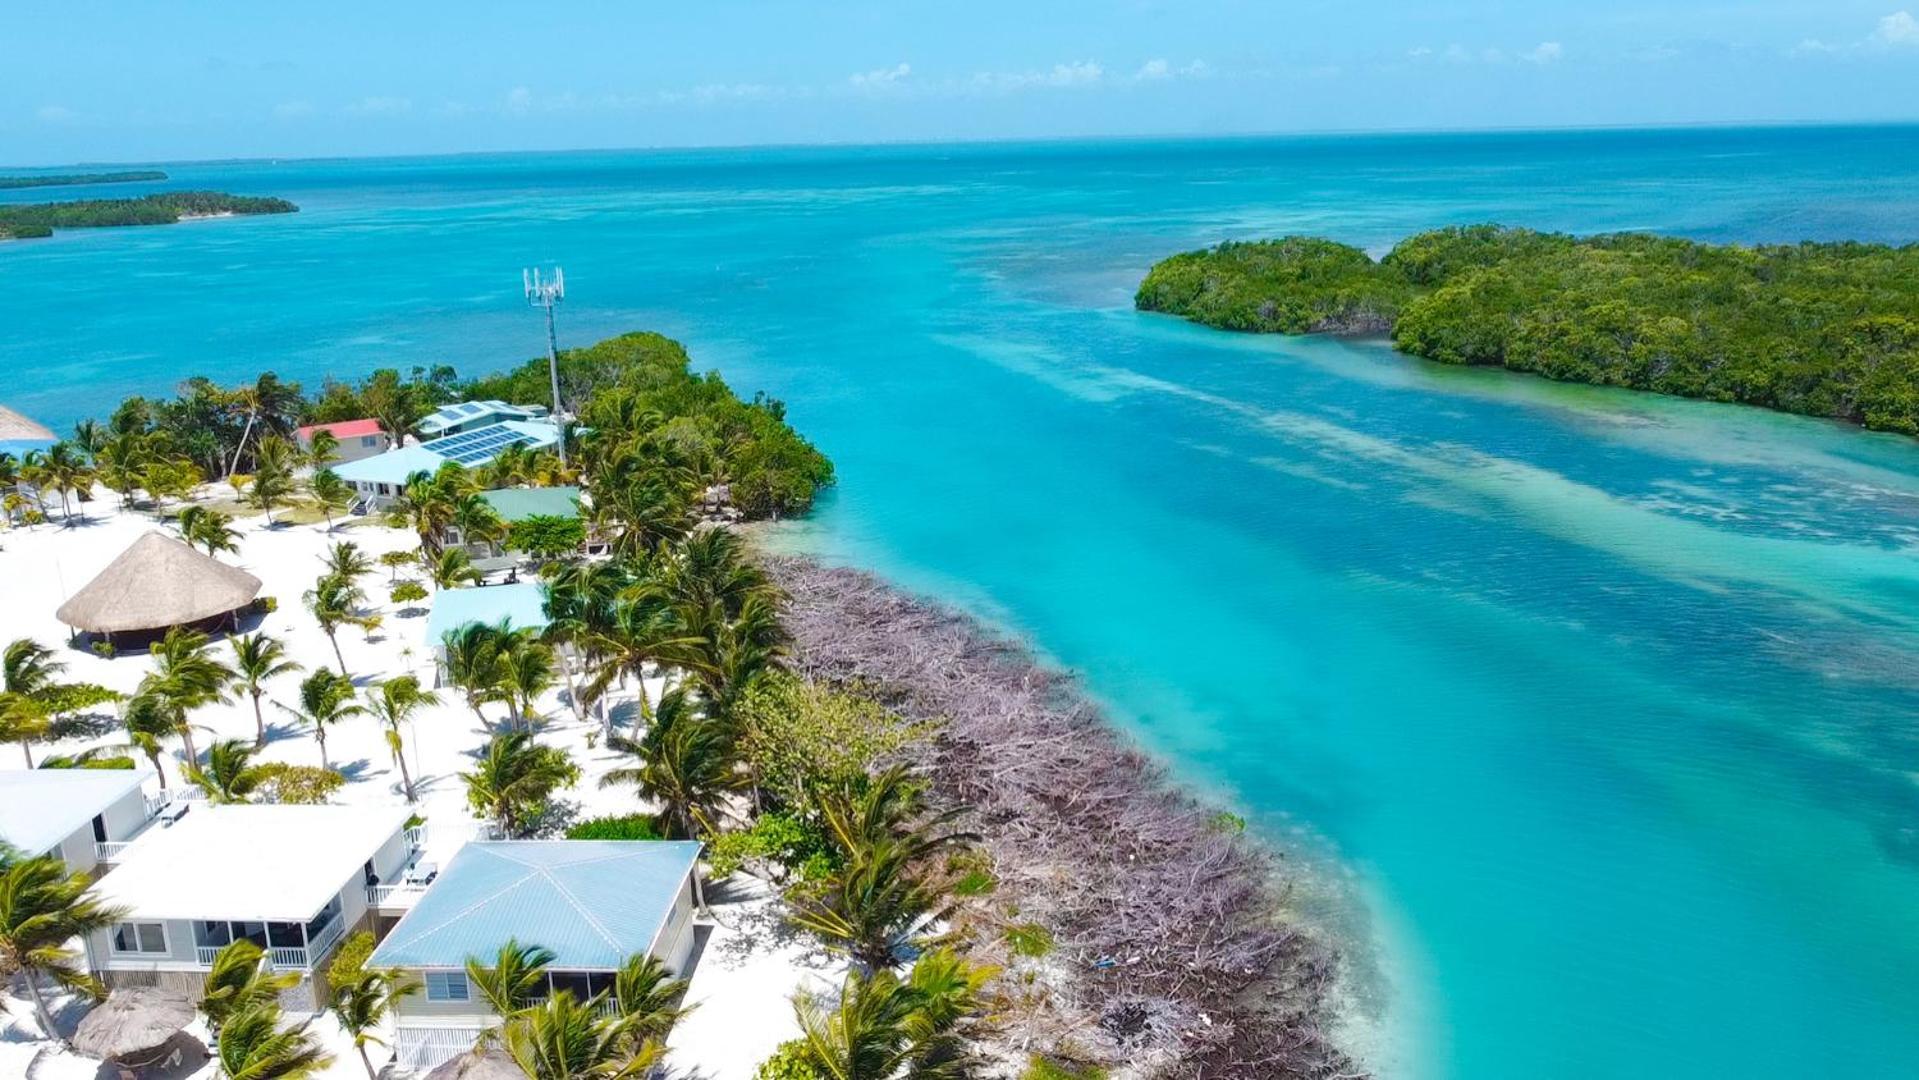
[[1175, 955]]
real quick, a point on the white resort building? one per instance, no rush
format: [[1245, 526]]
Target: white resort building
[[84, 816], [377, 480], [593, 903], [292, 879]]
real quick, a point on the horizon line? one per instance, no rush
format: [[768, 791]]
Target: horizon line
[[855, 144]]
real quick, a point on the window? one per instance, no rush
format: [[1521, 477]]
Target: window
[[369, 440], [446, 986], [385, 490], [140, 937]]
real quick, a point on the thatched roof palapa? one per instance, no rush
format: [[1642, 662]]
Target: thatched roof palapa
[[157, 583], [491, 1065], [14, 427], [131, 1023]]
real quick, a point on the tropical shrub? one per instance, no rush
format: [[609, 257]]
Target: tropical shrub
[[625, 827]]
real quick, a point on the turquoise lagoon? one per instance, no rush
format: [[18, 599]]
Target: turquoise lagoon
[[1601, 706]]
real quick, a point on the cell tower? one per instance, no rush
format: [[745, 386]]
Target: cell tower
[[547, 292]]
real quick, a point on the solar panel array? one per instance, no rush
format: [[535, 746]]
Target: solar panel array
[[478, 446]]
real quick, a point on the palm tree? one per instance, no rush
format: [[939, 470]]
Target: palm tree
[[43, 908], [148, 719], [732, 651], [272, 474], [27, 673], [336, 602], [578, 603], [362, 1004], [882, 1026], [516, 979], [649, 997], [239, 981], [394, 703], [186, 678], [345, 560], [325, 700], [121, 461], [89, 436], [257, 1045], [687, 766], [332, 493], [451, 569], [426, 506], [256, 658], [474, 658], [269, 399], [476, 519], [564, 1039], [512, 782], [228, 776], [321, 445], [207, 527], [642, 629], [65, 470], [526, 672]]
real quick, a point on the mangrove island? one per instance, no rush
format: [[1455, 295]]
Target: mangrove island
[[79, 179], [33, 220], [1821, 329]]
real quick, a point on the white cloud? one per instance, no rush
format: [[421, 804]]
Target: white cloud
[[881, 77], [1897, 30], [1154, 69], [380, 106], [54, 114], [1546, 52], [1160, 70], [1077, 73], [1419, 52], [519, 101]]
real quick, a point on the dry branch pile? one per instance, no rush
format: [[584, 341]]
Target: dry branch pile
[[1173, 953]]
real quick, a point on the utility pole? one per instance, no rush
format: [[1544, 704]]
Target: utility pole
[[547, 292]]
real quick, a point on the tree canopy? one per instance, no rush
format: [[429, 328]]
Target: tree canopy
[[1822, 329]]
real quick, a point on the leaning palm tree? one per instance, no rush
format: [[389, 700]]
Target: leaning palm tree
[[43, 908], [877, 909], [362, 1004], [259, 1045], [687, 765], [186, 678], [336, 602], [325, 699], [566, 1039], [256, 658], [228, 775], [273, 479], [393, 703], [332, 494], [207, 527], [149, 720], [639, 629], [28, 671], [526, 672], [511, 783], [451, 569], [24, 720], [240, 980], [865, 1034], [474, 662]]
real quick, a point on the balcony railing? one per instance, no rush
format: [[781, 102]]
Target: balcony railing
[[285, 957], [108, 851], [429, 1047], [387, 896]]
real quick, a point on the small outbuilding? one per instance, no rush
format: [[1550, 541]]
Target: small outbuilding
[[156, 584], [522, 604]]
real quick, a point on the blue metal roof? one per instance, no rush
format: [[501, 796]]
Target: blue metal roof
[[453, 608], [392, 467], [592, 902]]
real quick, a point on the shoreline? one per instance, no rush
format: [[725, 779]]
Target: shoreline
[[1178, 940]]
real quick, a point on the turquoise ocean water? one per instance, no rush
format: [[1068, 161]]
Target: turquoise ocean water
[[1605, 702]]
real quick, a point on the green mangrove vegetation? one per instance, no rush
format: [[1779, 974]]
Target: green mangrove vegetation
[[30, 220], [1821, 329], [78, 179]]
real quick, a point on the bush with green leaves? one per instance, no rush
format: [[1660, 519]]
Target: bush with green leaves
[[801, 736], [625, 827], [546, 536], [407, 592], [304, 785], [791, 1061], [797, 846], [1043, 1068]]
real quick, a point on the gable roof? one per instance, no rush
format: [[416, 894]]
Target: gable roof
[[593, 902], [518, 504], [465, 412], [392, 467], [155, 583], [274, 862], [343, 429], [41, 807]]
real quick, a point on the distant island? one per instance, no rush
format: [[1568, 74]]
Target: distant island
[[30, 220], [1820, 329], [76, 179]]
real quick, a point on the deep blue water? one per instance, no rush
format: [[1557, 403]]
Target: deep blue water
[[1605, 702]]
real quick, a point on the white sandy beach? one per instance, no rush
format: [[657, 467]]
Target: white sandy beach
[[749, 964]]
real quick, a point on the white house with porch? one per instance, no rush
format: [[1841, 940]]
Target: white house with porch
[[594, 903], [292, 879], [84, 816]]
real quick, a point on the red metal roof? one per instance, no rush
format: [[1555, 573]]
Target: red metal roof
[[345, 429]]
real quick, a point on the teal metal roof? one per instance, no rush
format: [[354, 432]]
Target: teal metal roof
[[392, 467], [467, 412], [592, 902], [453, 608], [518, 504]]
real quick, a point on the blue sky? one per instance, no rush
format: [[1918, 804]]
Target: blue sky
[[135, 80]]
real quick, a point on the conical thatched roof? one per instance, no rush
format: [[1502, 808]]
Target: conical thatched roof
[[157, 583], [132, 1022], [492, 1065], [14, 426]]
